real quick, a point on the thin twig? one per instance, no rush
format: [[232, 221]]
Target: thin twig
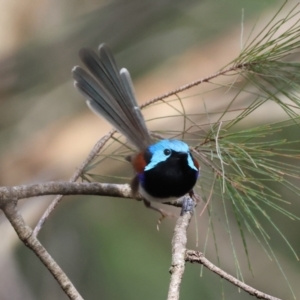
[[98, 146], [209, 163], [25, 234], [192, 84], [196, 256], [220, 156], [209, 196]]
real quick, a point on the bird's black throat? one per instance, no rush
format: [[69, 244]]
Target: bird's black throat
[[170, 178]]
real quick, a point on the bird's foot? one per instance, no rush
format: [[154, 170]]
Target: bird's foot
[[188, 205], [164, 214]]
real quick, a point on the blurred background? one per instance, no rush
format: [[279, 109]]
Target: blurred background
[[110, 248]]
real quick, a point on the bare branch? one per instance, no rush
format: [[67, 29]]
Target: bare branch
[[66, 188], [98, 146], [196, 256], [63, 188], [178, 253], [25, 234], [10, 195]]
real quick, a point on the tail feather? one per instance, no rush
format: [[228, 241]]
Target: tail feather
[[110, 93]]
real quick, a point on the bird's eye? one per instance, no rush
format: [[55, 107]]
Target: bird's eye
[[167, 151]]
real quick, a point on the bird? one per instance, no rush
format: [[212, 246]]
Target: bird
[[165, 170]]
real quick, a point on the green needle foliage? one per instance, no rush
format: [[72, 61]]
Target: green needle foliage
[[246, 171], [247, 164]]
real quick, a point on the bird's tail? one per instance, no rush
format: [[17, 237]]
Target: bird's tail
[[110, 93]]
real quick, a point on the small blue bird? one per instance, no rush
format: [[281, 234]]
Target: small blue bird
[[165, 170]]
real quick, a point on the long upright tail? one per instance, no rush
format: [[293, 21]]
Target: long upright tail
[[110, 93]]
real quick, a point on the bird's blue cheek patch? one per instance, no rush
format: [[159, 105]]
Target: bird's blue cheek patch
[[157, 157], [191, 163]]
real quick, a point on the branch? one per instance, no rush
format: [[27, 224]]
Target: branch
[[25, 234], [10, 195], [66, 188], [63, 188], [195, 256], [98, 146], [179, 241]]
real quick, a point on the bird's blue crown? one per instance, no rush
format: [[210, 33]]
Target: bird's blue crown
[[159, 153]]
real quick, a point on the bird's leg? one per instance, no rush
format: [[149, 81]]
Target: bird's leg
[[134, 189], [164, 214], [195, 197], [192, 195]]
